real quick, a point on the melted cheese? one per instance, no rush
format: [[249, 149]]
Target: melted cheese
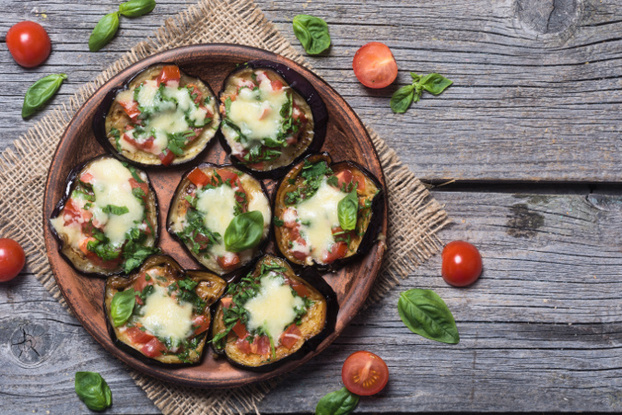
[[257, 201], [164, 317], [217, 206]]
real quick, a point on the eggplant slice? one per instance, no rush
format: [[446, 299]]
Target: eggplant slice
[[107, 220], [160, 117], [221, 215], [161, 312], [272, 116], [273, 316], [326, 214]]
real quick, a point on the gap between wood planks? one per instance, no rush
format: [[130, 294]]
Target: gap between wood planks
[[524, 187]]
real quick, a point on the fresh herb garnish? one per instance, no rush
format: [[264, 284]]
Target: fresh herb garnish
[[312, 173], [341, 402], [244, 231], [93, 390], [347, 211], [312, 32], [115, 210], [41, 92], [136, 8], [406, 95], [121, 306], [104, 31], [426, 314]]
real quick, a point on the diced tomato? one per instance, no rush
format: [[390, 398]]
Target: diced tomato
[[139, 300], [72, 213], [88, 227], [260, 346], [153, 348], [291, 140], [242, 198], [144, 186], [338, 250], [86, 177], [170, 73], [201, 322], [130, 108], [299, 255], [244, 346], [84, 244], [167, 157], [264, 113], [226, 302], [359, 179], [197, 177], [140, 283], [195, 91], [290, 336], [202, 241], [276, 85], [94, 259], [257, 166], [243, 83], [228, 262], [344, 177], [240, 330], [136, 335], [145, 145], [229, 175], [298, 114], [300, 288]]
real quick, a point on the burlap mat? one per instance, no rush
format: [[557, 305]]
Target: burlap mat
[[414, 217]]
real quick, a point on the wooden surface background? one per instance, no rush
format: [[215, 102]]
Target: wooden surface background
[[529, 132]]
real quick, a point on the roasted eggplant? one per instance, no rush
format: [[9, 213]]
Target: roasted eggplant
[[221, 215], [161, 312], [272, 116], [161, 117], [326, 214], [107, 221], [273, 315]]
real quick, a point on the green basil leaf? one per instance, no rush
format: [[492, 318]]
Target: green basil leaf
[[434, 83], [121, 306], [93, 390], [115, 210], [426, 314], [40, 92], [341, 402], [312, 32], [415, 77], [136, 8], [402, 98], [347, 211], [244, 231], [104, 31]]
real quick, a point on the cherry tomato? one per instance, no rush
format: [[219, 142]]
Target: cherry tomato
[[462, 264], [28, 43], [374, 65], [12, 259], [364, 373]]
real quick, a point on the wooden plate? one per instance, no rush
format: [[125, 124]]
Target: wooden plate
[[346, 139]]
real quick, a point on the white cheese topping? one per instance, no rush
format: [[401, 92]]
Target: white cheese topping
[[218, 207], [165, 317]]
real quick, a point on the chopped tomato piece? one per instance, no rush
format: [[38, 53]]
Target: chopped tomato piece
[[130, 108], [202, 241], [290, 336], [359, 179], [143, 186], [338, 250], [145, 145], [84, 244], [195, 91], [201, 322], [276, 85], [344, 177], [72, 213], [93, 258], [240, 330], [229, 175], [170, 73], [197, 177], [299, 287], [228, 262], [260, 346], [226, 302], [264, 113], [86, 177], [167, 157], [291, 140], [244, 346], [256, 166], [153, 348], [136, 335], [141, 282], [299, 255]]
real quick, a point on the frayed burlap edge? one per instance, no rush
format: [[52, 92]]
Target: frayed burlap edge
[[414, 217]]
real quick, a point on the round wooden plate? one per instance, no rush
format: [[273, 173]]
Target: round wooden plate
[[346, 139]]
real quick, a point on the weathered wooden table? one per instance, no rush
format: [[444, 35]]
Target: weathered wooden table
[[530, 134]]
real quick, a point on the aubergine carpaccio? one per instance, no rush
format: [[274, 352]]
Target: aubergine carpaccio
[[273, 315], [326, 214], [162, 312], [107, 221], [161, 117], [271, 116]]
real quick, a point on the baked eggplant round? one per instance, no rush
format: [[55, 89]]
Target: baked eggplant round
[[272, 116], [161, 117], [161, 312], [221, 215], [273, 315], [326, 214], [107, 220]]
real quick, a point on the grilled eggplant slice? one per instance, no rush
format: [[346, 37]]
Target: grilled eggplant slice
[[161, 117], [326, 214], [161, 312], [221, 215], [272, 116], [273, 316], [107, 221]]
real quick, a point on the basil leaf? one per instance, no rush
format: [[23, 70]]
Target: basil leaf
[[115, 210], [415, 77], [121, 306], [104, 31], [341, 402], [136, 8], [40, 92], [93, 390], [434, 83], [402, 98], [312, 32], [244, 231], [347, 211], [426, 314]]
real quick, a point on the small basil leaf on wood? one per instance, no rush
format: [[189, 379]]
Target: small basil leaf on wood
[[426, 314], [341, 402], [312, 32], [347, 210], [121, 306], [40, 92], [435, 83], [93, 390], [415, 77], [136, 8], [104, 31], [244, 231], [402, 98]]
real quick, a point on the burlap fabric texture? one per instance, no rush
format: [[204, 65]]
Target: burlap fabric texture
[[414, 217]]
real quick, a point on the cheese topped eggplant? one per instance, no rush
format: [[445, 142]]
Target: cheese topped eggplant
[[221, 215], [107, 221], [162, 312], [163, 117]]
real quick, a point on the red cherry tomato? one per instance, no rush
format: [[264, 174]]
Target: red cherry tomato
[[28, 43], [462, 264], [364, 373], [374, 65], [12, 259]]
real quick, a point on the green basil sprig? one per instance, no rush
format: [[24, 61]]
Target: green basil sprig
[[341, 402], [136, 8], [406, 95], [244, 231], [121, 306], [40, 92], [104, 31], [93, 390], [426, 314], [312, 32], [347, 211]]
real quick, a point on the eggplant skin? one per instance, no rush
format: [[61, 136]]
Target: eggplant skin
[[209, 288], [78, 260], [316, 325], [306, 98], [368, 220], [111, 115]]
